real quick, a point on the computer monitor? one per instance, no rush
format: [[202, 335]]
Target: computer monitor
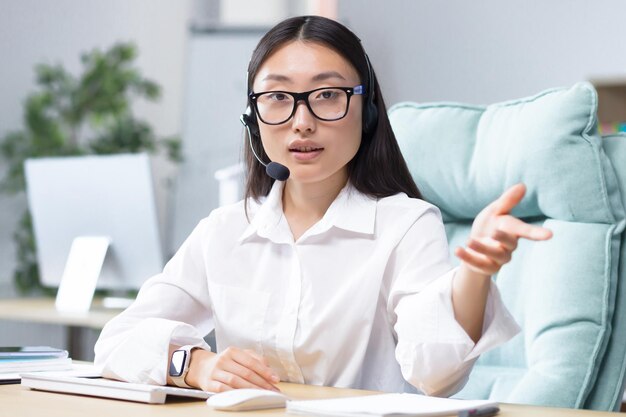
[[110, 196]]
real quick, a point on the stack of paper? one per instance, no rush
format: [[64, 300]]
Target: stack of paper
[[14, 360], [391, 405]]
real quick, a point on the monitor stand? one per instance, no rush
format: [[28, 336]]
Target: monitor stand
[[81, 273]]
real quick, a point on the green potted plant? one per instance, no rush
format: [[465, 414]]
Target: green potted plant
[[78, 115]]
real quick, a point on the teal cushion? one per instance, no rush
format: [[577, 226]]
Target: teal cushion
[[547, 141], [562, 292], [608, 389]]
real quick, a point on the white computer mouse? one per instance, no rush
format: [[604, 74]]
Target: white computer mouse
[[247, 399]]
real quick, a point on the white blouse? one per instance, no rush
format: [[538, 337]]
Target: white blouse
[[362, 299]]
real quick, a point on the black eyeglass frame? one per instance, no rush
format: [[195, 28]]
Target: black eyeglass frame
[[304, 96]]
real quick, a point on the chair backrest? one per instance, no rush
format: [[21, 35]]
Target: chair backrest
[[611, 380], [567, 293]]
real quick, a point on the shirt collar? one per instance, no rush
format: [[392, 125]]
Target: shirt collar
[[351, 210], [267, 213]]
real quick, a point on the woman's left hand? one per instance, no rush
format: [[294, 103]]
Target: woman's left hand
[[495, 234]]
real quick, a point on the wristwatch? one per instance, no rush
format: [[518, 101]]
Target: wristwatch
[[179, 365]]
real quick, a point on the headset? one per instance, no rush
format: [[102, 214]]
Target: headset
[[370, 121], [370, 112]]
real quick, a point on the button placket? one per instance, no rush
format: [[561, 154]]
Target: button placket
[[287, 328]]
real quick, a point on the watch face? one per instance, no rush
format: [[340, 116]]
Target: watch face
[[177, 364]]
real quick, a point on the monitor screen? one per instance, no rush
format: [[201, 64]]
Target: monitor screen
[[109, 196]]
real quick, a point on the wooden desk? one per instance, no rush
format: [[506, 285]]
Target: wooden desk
[[18, 401], [42, 310]]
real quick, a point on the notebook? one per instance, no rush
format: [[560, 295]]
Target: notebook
[[17, 359], [396, 405], [32, 365], [107, 388], [31, 352]]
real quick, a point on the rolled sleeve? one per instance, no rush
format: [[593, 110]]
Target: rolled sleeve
[[171, 308], [435, 353], [151, 338]]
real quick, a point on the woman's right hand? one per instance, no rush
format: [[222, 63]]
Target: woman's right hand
[[232, 368]]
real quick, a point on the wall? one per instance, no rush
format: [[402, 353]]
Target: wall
[[214, 99], [488, 50]]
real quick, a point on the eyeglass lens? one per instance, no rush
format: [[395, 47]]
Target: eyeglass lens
[[328, 104]]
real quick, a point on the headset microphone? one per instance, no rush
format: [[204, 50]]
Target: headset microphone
[[275, 170]]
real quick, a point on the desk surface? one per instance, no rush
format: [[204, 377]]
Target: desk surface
[[19, 401], [41, 310]]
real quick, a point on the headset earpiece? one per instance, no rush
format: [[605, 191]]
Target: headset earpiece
[[249, 120], [370, 116], [370, 111]]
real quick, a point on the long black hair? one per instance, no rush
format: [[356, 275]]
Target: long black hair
[[378, 168]]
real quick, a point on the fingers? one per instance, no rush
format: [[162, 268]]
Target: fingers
[[487, 255], [245, 369], [495, 233], [215, 386], [257, 356], [507, 240], [237, 368], [494, 251], [254, 368], [477, 262], [509, 199], [516, 227], [237, 376]]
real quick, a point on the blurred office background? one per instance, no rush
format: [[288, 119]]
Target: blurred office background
[[197, 50]]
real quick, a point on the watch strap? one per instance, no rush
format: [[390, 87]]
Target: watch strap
[[179, 380]]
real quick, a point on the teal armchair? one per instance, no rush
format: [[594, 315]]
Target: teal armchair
[[568, 294]]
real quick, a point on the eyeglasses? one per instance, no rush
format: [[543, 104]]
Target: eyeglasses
[[325, 103]]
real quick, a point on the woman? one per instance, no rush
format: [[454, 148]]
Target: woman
[[337, 275]]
